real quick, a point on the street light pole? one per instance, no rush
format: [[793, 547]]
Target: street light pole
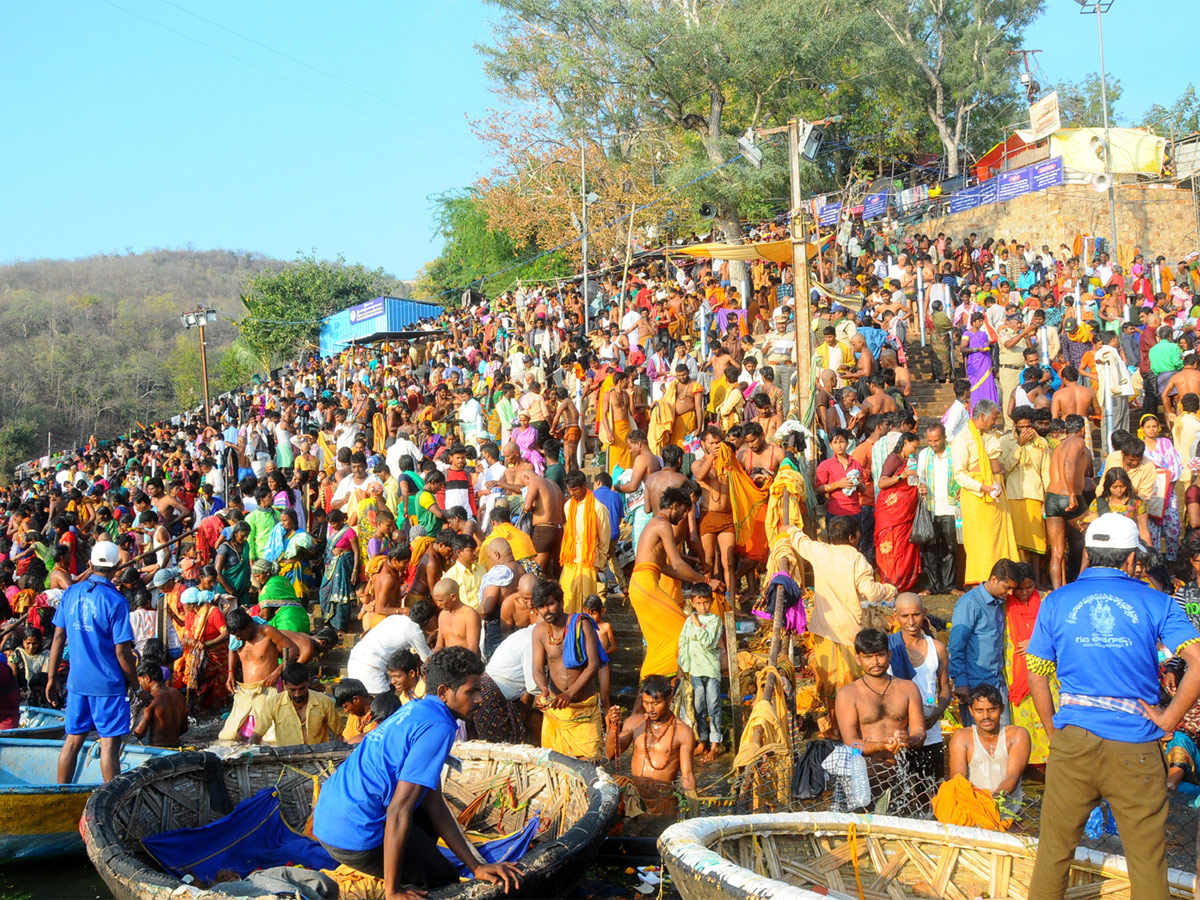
[[1099, 7], [583, 201], [200, 317]]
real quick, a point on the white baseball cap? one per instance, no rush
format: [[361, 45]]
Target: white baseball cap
[[1112, 531], [105, 555]]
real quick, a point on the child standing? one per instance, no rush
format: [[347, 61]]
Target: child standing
[[699, 656], [594, 607]]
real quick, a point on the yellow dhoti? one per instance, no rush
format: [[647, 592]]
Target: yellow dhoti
[[578, 581], [618, 450], [660, 616], [834, 666], [1029, 524], [683, 425], [987, 531], [576, 730], [247, 701]]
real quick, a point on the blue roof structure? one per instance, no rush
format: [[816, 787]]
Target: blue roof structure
[[373, 320]]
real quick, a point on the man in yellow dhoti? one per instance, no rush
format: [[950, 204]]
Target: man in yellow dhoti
[[842, 581], [1026, 458], [679, 413], [729, 410], [615, 423], [584, 552], [987, 525]]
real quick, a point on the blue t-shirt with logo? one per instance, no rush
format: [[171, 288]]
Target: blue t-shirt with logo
[[95, 616], [412, 746], [1102, 633]]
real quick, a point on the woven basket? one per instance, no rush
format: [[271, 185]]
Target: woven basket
[[804, 856], [499, 788]]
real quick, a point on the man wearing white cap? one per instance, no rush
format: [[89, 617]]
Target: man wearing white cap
[[779, 352], [1101, 635], [93, 620]]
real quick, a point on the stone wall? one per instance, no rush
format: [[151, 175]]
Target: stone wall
[[1153, 219]]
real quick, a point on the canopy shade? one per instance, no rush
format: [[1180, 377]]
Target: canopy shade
[[779, 252]]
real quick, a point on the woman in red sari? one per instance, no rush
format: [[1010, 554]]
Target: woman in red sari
[[203, 670], [898, 560]]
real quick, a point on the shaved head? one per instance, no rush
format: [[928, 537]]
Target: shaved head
[[910, 599], [500, 550]]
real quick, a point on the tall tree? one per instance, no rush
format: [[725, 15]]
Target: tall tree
[[1080, 103], [1180, 118], [284, 306], [956, 55], [708, 69]]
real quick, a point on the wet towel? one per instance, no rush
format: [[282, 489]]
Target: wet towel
[[574, 652], [902, 666]]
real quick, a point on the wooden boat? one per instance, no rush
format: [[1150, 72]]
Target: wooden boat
[[38, 722], [38, 816], [806, 856], [577, 803]]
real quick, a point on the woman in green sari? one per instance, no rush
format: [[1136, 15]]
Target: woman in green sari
[[297, 551], [232, 562], [341, 568], [277, 599]]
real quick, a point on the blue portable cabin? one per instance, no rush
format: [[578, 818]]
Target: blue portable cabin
[[373, 320]]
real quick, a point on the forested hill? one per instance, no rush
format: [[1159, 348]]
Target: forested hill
[[93, 345]]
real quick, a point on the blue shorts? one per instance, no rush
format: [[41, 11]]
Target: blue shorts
[[108, 716]]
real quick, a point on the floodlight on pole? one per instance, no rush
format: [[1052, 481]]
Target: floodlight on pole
[[198, 318], [1098, 8]]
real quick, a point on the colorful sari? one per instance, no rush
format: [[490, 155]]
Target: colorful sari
[[296, 570], [979, 368], [337, 586], [898, 559], [237, 575], [365, 526], [203, 671], [1164, 527], [1020, 617]]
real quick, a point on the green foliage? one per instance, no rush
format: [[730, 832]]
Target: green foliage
[[474, 251], [90, 346], [19, 441], [1080, 105], [285, 305], [1180, 118]]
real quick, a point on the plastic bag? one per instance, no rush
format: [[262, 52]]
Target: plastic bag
[[922, 530]]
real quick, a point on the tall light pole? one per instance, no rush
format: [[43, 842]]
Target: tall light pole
[[583, 200], [1099, 7], [198, 318]]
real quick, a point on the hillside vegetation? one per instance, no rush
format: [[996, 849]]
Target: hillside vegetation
[[94, 345]]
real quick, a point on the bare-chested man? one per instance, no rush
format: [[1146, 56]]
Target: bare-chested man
[[170, 510], [385, 591], [516, 609], [760, 459], [544, 503], [663, 747], [430, 568], [645, 464], [879, 713], [615, 420], [458, 624], [765, 414], [889, 360], [1070, 466], [310, 646], [1185, 381], [654, 585], [1074, 399], [569, 687], [878, 399], [864, 365], [263, 654], [716, 513], [564, 424], [164, 718], [501, 581]]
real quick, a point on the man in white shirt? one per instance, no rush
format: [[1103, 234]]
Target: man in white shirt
[[489, 468], [935, 482], [470, 418], [507, 688], [368, 658], [959, 413]]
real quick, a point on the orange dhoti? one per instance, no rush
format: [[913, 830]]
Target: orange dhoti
[[660, 617]]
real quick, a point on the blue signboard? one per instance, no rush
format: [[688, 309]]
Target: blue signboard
[[874, 206], [966, 199], [828, 214], [1013, 184], [370, 310], [1047, 174]]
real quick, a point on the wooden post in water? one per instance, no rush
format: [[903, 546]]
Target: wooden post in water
[[735, 681]]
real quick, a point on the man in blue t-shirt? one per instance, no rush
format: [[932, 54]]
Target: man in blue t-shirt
[[93, 620], [382, 812], [1100, 635]]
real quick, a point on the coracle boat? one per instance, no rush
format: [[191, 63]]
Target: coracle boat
[[38, 722], [806, 856], [498, 787], [38, 816]]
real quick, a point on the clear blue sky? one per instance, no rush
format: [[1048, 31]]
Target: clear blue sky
[[122, 134]]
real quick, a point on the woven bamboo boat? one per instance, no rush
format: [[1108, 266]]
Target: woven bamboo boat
[[806, 856], [38, 722], [500, 786]]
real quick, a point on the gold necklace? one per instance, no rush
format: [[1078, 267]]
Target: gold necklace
[[562, 637]]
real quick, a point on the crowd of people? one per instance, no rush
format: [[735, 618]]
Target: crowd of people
[[458, 509]]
